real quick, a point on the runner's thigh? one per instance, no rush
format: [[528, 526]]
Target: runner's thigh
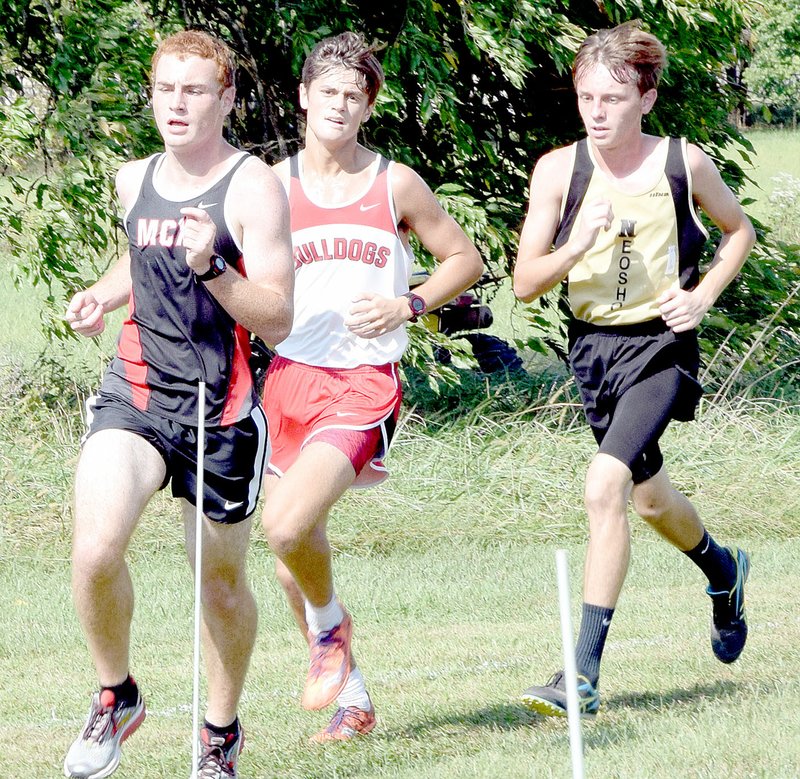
[[224, 544], [641, 416], [118, 472]]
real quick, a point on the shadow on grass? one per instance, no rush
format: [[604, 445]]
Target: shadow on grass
[[500, 717], [510, 716], [652, 701], [547, 393]]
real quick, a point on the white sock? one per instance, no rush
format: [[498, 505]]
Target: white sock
[[354, 692], [324, 618]]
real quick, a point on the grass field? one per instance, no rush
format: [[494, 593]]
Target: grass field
[[775, 184], [447, 637], [449, 572]]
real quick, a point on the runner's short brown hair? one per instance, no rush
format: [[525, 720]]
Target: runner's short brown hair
[[196, 43], [347, 50], [629, 53]]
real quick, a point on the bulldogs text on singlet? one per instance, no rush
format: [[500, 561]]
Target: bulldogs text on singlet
[[340, 251]]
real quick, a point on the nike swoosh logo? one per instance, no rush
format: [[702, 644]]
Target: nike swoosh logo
[[362, 207], [230, 505], [201, 204]]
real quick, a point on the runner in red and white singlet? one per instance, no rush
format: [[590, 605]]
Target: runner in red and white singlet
[[332, 394]]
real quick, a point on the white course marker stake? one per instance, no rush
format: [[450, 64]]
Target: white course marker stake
[[570, 671], [198, 579]]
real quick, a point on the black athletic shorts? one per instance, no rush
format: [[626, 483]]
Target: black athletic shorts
[[634, 379], [233, 461]]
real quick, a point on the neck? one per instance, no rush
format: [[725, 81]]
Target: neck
[[623, 158], [329, 160], [195, 164]]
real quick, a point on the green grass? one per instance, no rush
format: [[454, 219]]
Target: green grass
[[449, 572], [448, 637], [775, 181]]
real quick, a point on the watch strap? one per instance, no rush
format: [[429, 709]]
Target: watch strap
[[417, 305], [217, 266]]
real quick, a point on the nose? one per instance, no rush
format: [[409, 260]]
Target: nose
[[176, 100], [598, 110]]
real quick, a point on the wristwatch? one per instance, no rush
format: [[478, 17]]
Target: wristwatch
[[217, 268], [417, 305]]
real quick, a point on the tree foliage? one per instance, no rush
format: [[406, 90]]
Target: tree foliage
[[476, 91], [773, 72]]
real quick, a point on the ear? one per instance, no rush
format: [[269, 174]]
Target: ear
[[649, 100], [228, 99], [303, 97], [368, 111]]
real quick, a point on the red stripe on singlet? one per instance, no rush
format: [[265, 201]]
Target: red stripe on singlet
[[130, 352], [241, 380]]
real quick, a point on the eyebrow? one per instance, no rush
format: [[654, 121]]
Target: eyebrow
[[198, 85]]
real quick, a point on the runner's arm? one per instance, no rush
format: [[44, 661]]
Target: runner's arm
[[261, 301], [684, 309], [88, 307], [539, 268], [459, 264]]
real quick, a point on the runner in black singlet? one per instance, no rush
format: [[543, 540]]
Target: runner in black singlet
[[209, 260], [614, 216]]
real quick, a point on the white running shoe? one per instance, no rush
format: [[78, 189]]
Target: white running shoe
[[96, 752]]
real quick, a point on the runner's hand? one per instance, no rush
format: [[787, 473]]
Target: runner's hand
[[199, 232], [597, 215], [372, 315], [85, 314], [681, 310]]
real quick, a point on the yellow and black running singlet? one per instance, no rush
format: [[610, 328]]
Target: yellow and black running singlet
[[654, 243]]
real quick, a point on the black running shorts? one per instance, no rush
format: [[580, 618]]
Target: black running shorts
[[233, 461], [634, 379]]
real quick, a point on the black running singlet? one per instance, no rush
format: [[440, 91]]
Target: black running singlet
[[176, 332]]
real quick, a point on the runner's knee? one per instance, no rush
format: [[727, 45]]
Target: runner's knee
[[94, 562], [223, 589], [606, 487], [650, 508], [283, 537]]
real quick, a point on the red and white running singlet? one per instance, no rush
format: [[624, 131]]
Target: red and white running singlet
[[340, 251]]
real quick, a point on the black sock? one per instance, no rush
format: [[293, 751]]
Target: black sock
[[715, 561], [595, 622], [126, 694], [225, 730]]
